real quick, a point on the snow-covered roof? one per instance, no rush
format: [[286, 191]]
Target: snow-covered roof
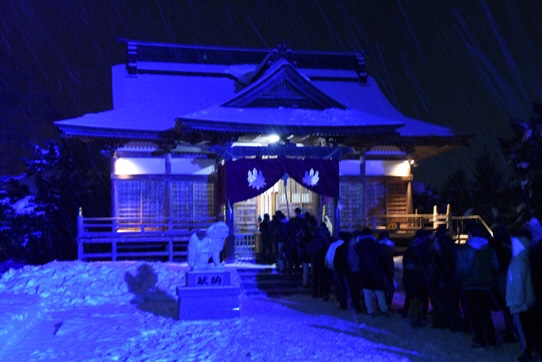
[[148, 100]]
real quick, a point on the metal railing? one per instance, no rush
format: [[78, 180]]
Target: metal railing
[[406, 225]]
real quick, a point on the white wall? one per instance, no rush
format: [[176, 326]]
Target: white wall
[[140, 166], [157, 166], [398, 168], [349, 168], [192, 166]]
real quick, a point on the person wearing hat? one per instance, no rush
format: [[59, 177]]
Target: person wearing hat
[[475, 268], [520, 297]]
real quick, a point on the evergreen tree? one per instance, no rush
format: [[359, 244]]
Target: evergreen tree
[[425, 201], [487, 187], [524, 153], [39, 209], [456, 192]]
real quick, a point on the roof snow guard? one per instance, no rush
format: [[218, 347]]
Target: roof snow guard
[[141, 51]]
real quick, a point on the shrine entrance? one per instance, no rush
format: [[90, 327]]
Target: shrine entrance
[[249, 213], [258, 186], [279, 197]]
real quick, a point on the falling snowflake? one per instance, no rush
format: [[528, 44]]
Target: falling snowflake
[[255, 179], [311, 178]]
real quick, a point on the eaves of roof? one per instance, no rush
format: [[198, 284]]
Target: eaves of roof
[[83, 132], [187, 126]]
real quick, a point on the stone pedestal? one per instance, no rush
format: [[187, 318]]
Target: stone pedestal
[[208, 295]]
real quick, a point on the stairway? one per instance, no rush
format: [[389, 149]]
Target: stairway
[[272, 283]]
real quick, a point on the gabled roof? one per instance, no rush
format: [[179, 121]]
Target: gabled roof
[[201, 89], [285, 102], [282, 85]]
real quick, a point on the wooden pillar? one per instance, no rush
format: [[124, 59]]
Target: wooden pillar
[[80, 222], [230, 240], [167, 190], [337, 223], [114, 249], [449, 218], [363, 206], [114, 187], [409, 196], [80, 230]]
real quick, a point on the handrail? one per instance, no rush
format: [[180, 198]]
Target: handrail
[[408, 223], [94, 229], [89, 226], [411, 222]]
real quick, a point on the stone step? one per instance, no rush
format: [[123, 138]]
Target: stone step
[[271, 282]]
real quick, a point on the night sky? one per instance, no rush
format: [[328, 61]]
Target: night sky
[[469, 65]]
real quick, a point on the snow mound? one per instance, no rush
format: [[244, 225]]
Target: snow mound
[[67, 284]]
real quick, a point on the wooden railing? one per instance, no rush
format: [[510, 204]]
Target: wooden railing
[[109, 238], [406, 225], [167, 238]]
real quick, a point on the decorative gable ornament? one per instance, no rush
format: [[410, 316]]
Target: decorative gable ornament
[[255, 179], [311, 177], [282, 85]]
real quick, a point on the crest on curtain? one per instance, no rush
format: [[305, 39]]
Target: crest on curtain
[[311, 178], [255, 179], [249, 177]]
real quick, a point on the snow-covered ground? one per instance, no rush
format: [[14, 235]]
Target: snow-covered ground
[[77, 311]]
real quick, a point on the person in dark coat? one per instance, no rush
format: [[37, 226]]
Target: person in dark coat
[[373, 271], [354, 276], [283, 231], [501, 243], [415, 263], [342, 269], [299, 235], [443, 287], [475, 269], [317, 249], [267, 240], [388, 248]]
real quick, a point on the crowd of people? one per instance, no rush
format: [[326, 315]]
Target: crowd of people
[[462, 282]]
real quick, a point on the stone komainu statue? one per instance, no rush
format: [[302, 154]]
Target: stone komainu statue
[[200, 251]]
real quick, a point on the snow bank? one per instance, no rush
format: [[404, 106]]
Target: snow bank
[[17, 312], [62, 285]]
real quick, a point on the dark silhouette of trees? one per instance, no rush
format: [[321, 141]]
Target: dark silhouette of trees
[[524, 153], [40, 207]]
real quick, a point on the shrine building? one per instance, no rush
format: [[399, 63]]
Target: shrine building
[[205, 133]]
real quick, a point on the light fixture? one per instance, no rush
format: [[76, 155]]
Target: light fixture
[[274, 138]]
